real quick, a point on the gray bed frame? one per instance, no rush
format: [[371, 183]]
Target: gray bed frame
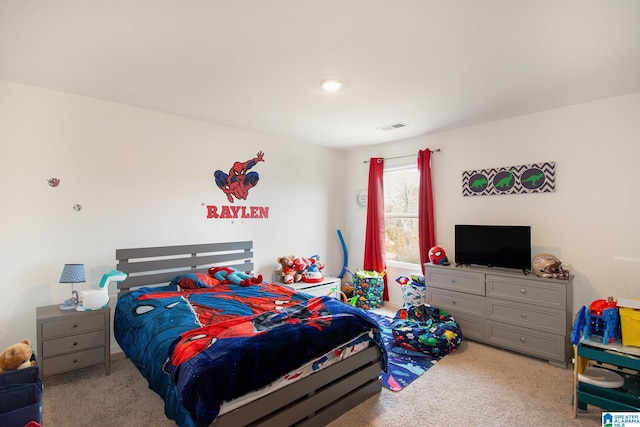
[[313, 401]]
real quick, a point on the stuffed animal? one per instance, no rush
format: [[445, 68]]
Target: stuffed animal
[[17, 356], [303, 264], [309, 268], [287, 273], [231, 275], [316, 258]]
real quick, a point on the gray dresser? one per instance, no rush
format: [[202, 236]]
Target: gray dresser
[[69, 340], [523, 313]]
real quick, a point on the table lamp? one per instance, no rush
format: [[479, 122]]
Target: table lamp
[[72, 273]]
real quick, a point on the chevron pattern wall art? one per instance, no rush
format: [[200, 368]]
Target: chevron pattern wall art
[[534, 178]]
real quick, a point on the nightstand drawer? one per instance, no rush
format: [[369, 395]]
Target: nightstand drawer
[[72, 343], [68, 362], [72, 326], [328, 286]]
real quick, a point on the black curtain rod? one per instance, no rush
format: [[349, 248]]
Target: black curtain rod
[[406, 155]]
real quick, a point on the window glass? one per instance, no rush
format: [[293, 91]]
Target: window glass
[[401, 214]]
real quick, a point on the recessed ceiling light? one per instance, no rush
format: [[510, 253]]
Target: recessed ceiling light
[[331, 85]]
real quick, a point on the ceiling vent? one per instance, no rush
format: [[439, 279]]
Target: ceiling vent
[[393, 126]]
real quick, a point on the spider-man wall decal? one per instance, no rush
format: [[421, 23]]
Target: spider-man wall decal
[[239, 180]]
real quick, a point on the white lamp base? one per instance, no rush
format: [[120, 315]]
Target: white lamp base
[[69, 304]]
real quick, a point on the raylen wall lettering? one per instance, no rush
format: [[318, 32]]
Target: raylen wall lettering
[[237, 212], [236, 185]]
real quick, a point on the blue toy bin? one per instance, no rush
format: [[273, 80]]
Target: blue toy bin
[[21, 397]]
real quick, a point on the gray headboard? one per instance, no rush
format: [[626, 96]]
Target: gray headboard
[[159, 265]]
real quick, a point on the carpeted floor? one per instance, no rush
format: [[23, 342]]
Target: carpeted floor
[[478, 385]]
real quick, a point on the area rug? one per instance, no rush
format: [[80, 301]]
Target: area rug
[[404, 366]]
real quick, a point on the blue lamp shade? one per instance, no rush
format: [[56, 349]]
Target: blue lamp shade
[[73, 273]]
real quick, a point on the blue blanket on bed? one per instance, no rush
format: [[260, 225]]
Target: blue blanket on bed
[[201, 347]]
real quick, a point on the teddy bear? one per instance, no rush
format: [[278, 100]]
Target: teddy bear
[[288, 273], [17, 356]]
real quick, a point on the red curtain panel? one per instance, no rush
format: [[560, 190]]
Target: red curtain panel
[[374, 250], [426, 232]]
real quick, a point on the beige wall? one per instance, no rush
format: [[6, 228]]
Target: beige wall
[[143, 178], [590, 222]]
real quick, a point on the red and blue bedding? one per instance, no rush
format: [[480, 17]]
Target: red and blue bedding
[[200, 342]]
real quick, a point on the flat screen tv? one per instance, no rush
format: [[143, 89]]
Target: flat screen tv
[[507, 246]]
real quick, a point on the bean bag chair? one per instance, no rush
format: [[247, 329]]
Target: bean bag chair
[[426, 329]]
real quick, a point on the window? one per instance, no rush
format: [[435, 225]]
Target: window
[[401, 214]]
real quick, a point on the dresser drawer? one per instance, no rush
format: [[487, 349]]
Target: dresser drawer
[[467, 310], [456, 280], [539, 292], [456, 302], [529, 341], [63, 345], [71, 361], [528, 316], [472, 327], [72, 326]]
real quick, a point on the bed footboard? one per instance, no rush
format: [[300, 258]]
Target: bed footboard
[[315, 400]]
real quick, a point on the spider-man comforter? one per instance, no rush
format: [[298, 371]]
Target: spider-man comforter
[[199, 346]]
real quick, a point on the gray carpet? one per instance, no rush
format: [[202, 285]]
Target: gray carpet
[[478, 385]]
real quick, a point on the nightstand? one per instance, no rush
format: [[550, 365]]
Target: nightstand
[[70, 340], [328, 286]]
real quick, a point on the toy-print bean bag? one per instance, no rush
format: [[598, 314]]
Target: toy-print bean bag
[[426, 329]]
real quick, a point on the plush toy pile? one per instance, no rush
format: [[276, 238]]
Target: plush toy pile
[[297, 269], [231, 275], [16, 356]]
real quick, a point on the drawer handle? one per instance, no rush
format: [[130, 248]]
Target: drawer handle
[[522, 339], [75, 343], [75, 325], [524, 315], [453, 280], [75, 360], [524, 291], [453, 301]]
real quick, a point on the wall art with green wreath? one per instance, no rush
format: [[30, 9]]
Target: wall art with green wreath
[[534, 178]]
